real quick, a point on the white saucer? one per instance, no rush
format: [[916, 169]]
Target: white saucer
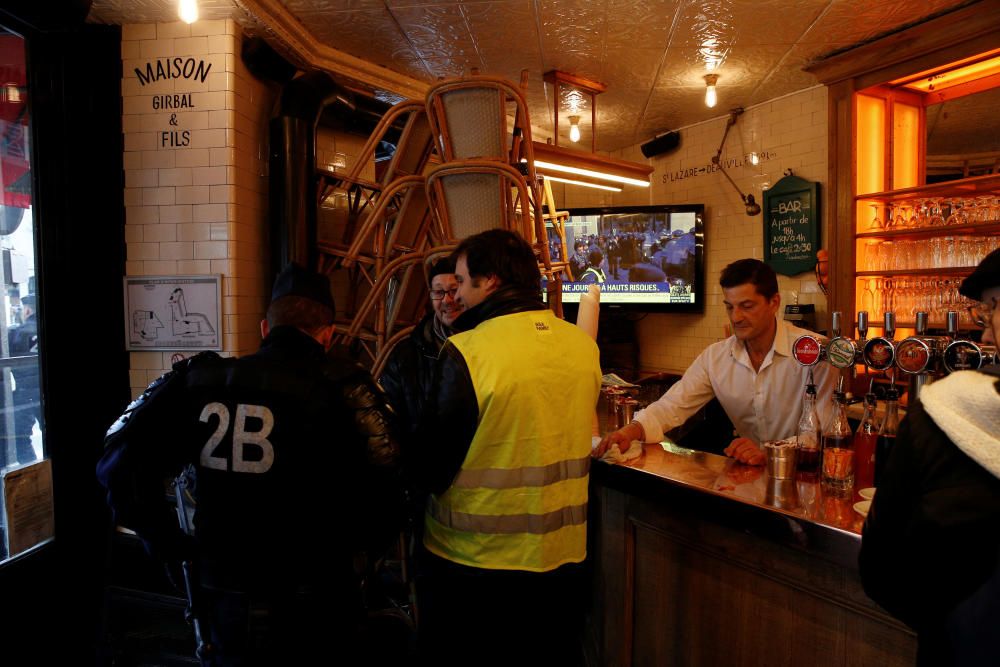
[[863, 507], [868, 493]]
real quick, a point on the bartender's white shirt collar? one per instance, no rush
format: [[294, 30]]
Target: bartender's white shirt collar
[[781, 345]]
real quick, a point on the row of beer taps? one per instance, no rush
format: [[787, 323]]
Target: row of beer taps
[[921, 356]]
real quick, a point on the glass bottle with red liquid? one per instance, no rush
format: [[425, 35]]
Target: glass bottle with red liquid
[[865, 439], [887, 431], [807, 434], [838, 454]]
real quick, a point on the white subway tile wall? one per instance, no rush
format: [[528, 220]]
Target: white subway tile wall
[[786, 133], [195, 172]]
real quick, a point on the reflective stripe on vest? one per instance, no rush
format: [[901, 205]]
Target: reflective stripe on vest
[[501, 478], [505, 524]]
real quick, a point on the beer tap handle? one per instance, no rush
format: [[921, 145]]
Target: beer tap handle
[[921, 323], [952, 324], [863, 325], [835, 325], [890, 325]]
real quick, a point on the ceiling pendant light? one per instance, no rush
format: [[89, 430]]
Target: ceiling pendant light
[[710, 96], [574, 128], [187, 10]]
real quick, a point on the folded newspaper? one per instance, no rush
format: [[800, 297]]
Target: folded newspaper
[[612, 380]]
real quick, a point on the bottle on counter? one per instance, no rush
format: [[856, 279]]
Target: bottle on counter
[[838, 453], [807, 434], [887, 432], [865, 439]]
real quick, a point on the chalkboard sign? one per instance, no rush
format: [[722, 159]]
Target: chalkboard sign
[[791, 225]]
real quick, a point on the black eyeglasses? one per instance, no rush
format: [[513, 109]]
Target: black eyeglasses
[[438, 294]]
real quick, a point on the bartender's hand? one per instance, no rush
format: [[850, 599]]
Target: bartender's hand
[[623, 437], [746, 451]]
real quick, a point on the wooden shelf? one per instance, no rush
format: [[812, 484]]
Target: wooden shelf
[[966, 187], [951, 271], [987, 229]]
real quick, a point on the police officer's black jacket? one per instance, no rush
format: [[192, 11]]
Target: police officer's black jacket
[[296, 468], [409, 372]]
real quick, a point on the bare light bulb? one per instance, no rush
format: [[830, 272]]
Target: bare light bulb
[[711, 98], [188, 10], [574, 128]]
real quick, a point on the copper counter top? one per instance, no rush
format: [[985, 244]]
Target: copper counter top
[[800, 512]]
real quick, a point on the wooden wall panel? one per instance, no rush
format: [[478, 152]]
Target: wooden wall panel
[[681, 589]]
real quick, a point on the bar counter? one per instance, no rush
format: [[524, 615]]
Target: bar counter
[[701, 560]]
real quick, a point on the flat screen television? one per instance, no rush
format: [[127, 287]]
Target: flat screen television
[[648, 258]]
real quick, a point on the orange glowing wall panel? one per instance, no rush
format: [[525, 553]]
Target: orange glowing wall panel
[[870, 144], [905, 145]]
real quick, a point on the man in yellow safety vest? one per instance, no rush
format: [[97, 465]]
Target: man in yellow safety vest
[[505, 458]]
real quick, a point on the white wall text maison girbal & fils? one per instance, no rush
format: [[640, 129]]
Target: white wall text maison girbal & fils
[[173, 68]]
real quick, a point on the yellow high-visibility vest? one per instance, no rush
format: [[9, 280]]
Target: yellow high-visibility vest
[[519, 501]]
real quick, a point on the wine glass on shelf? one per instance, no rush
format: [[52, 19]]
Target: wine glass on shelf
[[875, 223], [899, 219], [956, 215], [918, 214], [935, 218], [868, 295]]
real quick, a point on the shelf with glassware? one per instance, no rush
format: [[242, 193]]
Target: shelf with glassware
[[917, 245]]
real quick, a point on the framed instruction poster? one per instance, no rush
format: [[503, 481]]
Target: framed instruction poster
[[173, 312]]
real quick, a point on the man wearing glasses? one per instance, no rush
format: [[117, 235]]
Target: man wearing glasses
[[407, 375], [930, 550]]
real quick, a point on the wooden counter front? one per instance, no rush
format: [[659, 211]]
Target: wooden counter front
[[700, 560]]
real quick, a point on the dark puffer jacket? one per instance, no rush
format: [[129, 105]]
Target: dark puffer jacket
[[408, 373], [297, 467]]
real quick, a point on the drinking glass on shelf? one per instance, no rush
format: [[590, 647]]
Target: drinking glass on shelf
[[995, 210], [957, 215], [887, 259], [899, 219], [935, 218], [936, 260], [875, 223], [949, 252], [871, 259], [979, 250], [918, 214], [981, 213], [868, 294], [910, 254]]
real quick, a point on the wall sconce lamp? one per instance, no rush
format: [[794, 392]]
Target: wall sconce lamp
[[187, 10], [752, 207], [711, 98]]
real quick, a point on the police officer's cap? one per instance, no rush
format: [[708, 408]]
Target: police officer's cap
[[986, 275], [28, 300], [297, 281]]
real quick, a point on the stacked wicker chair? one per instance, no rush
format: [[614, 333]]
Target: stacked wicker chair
[[463, 164]]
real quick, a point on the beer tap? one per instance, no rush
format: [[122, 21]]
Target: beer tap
[[919, 356], [841, 350], [961, 354], [863, 338], [879, 352]]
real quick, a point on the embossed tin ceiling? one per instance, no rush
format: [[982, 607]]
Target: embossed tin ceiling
[[651, 54]]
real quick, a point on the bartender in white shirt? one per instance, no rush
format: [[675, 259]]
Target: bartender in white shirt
[[752, 373]]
